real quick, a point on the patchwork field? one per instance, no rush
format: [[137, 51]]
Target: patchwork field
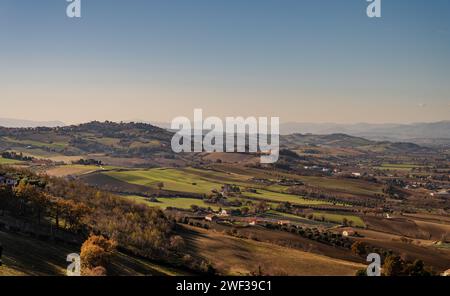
[[352, 186], [355, 187], [175, 202], [398, 167], [282, 197], [408, 227], [203, 182], [173, 179], [40, 144], [286, 219], [71, 170], [6, 161], [339, 218]]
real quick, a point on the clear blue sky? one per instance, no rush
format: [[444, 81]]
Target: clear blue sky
[[302, 60]]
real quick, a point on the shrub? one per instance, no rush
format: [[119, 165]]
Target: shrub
[[177, 243], [96, 251]]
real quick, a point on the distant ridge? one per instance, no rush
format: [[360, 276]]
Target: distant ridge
[[428, 134], [23, 123], [419, 133]]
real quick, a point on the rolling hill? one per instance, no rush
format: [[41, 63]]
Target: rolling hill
[[295, 141], [141, 141], [433, 133], [115, 139]]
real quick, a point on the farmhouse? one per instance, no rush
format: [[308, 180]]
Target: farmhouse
[[283, 222], [223, 213], [211, 218], [348, 232], [252, 222]]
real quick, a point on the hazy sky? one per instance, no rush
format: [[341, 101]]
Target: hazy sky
[[302, 60]]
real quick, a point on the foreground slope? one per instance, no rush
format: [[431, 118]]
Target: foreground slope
[[235, 256]]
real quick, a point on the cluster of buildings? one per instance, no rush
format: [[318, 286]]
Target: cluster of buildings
[[443, 193], [215, 217], [318, 168]]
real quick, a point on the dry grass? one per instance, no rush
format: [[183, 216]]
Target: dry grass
[[28, 256], [234, 256], [71, 170]]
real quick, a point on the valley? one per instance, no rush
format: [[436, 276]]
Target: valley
[[328, 202]]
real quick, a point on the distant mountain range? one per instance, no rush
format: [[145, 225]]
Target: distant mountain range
[[19, 123], [435, 133], [296, 141]]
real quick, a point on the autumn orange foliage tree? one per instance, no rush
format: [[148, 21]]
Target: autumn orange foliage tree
[[95, 255]]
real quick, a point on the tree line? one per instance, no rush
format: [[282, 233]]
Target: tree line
[[73, 207]]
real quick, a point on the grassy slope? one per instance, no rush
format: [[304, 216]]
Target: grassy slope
[[350, 186], [54, 145], [338, 218], [234, 256], [202, 181], [28, 256], [282, 197], [71, 169], [22, 255], [173, 179], [9, 161], [346, 185], [181, 203]]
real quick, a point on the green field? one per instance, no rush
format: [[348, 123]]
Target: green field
[[203, 181], [175, 202], [173, 179], [9, 161], [339, 218], [184, 180], [74, 169], [445, 246], [283, 197], [105, 141], [344, 185], [398, 167], [279, 215], [54, 145]]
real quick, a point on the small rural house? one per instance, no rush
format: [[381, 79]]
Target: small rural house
[[223, 213], [348, 232], [211, 218], [283, 222]]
